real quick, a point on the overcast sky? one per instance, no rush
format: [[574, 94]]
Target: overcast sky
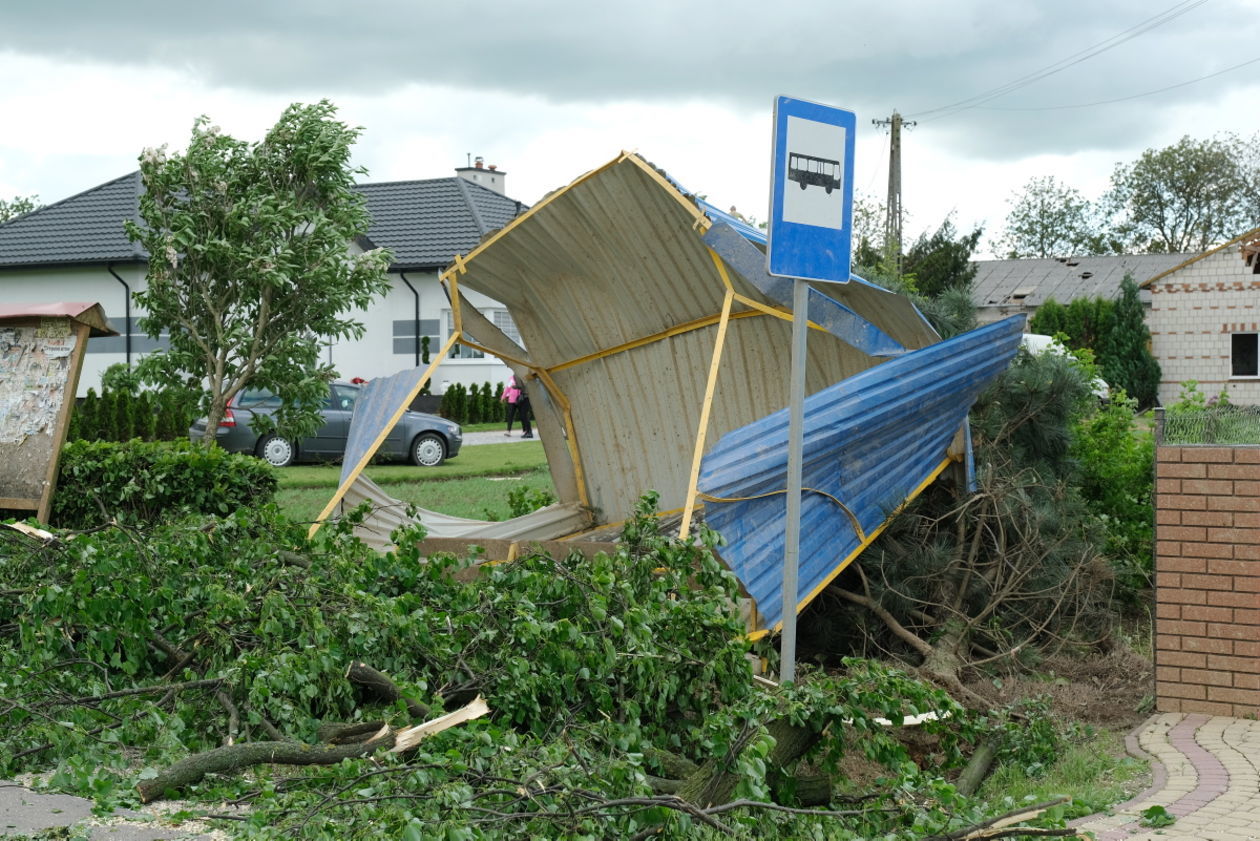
[[549, 89]]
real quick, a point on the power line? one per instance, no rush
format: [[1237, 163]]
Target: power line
[[1121, 98], [1129, 34]]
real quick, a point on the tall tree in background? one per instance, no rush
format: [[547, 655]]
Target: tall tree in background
[[18, 206], [1050, 219], [249, 261], [1185, 197], [1125, 349], [943, 260]]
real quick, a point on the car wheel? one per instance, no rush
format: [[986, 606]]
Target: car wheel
[[276, 451], [428, 450]]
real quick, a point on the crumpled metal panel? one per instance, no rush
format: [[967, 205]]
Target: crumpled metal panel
[[389, 514], [871, 441], [615, 257], [377, 403]]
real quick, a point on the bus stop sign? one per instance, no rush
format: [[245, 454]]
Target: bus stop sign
[[811, 191]]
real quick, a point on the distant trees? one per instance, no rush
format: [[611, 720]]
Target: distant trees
[[1050, 219], [17, 206], [1183, 198]]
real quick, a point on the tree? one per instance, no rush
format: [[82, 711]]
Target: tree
[[1049, 319], [1125, 349], [943, 260], [249, 261], [1185, 197], [1050, 219], [18, 206]]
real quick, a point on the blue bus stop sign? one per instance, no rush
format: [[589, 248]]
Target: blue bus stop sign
[[811, 191]]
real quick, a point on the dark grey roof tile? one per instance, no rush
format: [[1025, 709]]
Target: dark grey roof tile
[[424, 223]]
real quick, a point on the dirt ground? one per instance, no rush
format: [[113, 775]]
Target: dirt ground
[[1112, 691]]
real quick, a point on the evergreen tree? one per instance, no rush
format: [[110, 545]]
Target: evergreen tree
[[1049, 319], [1126, 357]]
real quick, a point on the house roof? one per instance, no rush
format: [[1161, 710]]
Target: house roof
[[1247, 243], [1030, 282], [424, 223]]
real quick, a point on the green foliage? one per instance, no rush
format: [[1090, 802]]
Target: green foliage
[[1117, 474], [1187, 196], [1050, 319], [590, 666], [1050, 219], [472, 404], [943, 260], [125, 410], [140, 482], [18, 206], [425, 341], [1127, 362], [248, 264], [523, 500], [1196, 419], [1157, 816]]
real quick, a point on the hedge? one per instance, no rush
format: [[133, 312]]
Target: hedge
[[146, 481]]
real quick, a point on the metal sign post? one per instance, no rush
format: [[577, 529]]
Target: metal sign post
[[811, 208]]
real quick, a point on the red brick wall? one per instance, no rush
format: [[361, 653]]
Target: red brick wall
[[1207, 580]]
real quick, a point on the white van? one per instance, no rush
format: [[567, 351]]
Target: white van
[[1037, 344]]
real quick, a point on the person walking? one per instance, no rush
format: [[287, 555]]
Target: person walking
[[517, 407]]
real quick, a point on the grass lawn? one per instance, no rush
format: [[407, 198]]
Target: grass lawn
[[474, 484]]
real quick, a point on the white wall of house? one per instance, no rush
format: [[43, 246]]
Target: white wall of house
[[1204, 321], [387, 346]]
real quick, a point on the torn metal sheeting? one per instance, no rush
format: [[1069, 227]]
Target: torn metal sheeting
[[871, 442]]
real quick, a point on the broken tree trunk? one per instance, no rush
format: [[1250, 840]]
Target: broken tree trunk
[[712, 784]]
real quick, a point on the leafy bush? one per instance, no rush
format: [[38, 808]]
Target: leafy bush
[[144, 482], [1116, 460]]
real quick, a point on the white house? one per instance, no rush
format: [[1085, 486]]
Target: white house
[[1205, 322], [76, 250]]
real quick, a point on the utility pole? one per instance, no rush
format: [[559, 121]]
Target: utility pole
[[892, 222]]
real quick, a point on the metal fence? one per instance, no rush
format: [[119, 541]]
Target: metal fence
[[1209, 425]]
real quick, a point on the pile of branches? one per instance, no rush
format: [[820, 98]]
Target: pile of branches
[[205, 658]]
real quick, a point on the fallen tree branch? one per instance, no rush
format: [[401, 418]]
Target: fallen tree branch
[[194, 768]]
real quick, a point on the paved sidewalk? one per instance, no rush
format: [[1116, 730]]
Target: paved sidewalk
[[1206, 774], [471, 439]]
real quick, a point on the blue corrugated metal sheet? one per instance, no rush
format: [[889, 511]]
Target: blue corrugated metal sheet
[[378, 401], [870, 441], [833, 316]]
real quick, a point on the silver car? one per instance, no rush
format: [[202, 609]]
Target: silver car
[[426, 440]]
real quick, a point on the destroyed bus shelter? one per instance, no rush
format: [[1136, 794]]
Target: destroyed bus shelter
[[655, 354]]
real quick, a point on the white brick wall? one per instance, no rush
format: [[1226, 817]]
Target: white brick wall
[[1193, 313]]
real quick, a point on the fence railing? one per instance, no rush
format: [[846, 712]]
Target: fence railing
[[1221, 425]]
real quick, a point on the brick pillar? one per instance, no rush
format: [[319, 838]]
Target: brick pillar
[[1207, 580]]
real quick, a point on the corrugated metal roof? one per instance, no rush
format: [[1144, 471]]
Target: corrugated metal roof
[[1031, 281], [424, 223], [603, 279], [870, 442]]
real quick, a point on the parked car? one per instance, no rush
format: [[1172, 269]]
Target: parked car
[[426, 440]]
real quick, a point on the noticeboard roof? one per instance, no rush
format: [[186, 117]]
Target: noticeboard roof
[[86, 313]]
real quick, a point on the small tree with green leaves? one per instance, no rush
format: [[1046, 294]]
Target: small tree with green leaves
[[18, 206], [249, 261]]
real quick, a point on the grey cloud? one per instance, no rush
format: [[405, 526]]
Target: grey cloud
[[871, 57]]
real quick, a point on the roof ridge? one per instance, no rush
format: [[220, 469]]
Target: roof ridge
[[472, 206], [134, 173]]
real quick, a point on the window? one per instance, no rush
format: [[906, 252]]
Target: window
[[1243, 355], [499, 318]]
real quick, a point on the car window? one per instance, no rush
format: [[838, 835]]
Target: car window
[[256, 398], [343, 396]]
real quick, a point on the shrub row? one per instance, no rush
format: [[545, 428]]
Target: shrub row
[[144, 482], [473, 404], [124, 415]]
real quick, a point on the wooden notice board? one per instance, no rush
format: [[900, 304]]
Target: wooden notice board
[[41, 354]]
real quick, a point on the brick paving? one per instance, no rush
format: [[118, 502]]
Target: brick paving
[[1206, 773]]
